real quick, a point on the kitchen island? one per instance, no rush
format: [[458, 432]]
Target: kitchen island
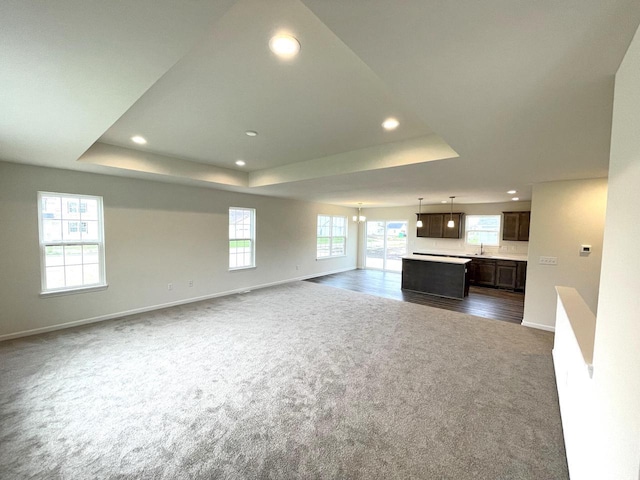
[[494, 270], [442, 276]]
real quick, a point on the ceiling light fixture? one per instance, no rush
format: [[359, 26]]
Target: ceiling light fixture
[[251, 133], [139, 140], [511, 192], [451, 223], [359, 218], [284, 46], [390, 124], [419, 222], [444, 201], [515, 199], [240, 163]]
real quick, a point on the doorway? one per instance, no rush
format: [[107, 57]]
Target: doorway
[[386, 245]]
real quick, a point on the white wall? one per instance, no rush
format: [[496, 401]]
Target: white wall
[[564, 215], [573, 362], [447, 244], [155, 234], [617, 343]]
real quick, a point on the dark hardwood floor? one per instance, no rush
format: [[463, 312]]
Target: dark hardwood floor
[[483, 302]]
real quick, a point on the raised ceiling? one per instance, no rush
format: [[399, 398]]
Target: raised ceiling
[[325, 101], [491, 96]]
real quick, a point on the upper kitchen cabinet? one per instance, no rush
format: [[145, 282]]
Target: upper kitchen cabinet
[[435, 225], [516, 226], [456, 231]]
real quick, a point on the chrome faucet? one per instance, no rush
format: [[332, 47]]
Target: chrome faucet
[[481, 251]]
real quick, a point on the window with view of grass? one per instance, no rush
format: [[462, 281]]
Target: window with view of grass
[[241, 238], [331, 236], [71, 230], [482, 229]]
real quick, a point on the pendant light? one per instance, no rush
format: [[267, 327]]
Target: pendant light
[[359, 218], [451, 223], [419, 222]]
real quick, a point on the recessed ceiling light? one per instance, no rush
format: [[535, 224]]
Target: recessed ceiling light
[[139, 140], [240, 163], [251, 133], [390, 124], [443, 201], [511, 192], [285, 46], [515, 199]]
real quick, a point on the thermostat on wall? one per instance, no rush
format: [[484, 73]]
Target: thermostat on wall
[[585, 249]]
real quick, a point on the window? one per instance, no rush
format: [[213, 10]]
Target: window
[[332, 236], [242, 238], [73, 227], [71, 241], [483, 229]]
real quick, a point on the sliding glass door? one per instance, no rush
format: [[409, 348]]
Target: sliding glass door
[[386, 244]]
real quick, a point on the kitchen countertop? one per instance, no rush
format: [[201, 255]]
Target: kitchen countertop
[[497, 256], [435, 258]]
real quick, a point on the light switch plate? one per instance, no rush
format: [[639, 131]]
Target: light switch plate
[[548, 260]]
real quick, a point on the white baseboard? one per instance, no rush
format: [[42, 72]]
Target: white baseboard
[[110, 316], [539, 326]]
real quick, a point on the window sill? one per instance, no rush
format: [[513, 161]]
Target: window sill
[[73, 291], [236, 269]]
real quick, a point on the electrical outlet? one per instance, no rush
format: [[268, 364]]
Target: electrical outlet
[[191, 283], [169, 286], [548, 260]]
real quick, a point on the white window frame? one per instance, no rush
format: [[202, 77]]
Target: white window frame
[[467, 223], [102, 276], [331, 235], [251, 238]]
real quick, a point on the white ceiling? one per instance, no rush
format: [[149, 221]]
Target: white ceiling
[[491, 95]]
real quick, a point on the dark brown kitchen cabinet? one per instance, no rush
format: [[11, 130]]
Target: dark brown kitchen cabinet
[[485, 272], [521, 275], [471, 271], [435, 225], [488, 272], [515, 226], [506, 274], [456, 231]]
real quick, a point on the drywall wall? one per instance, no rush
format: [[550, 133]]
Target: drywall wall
[[155, 234], [446, 244], [564, 216], [616, 355]]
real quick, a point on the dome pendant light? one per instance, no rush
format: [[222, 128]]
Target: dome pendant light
[[451, 223], [359, 218], [419, 222]]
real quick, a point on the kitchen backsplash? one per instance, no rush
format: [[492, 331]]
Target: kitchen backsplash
[[458, 246]]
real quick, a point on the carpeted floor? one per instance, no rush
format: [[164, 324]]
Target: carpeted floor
[[296, 381]]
